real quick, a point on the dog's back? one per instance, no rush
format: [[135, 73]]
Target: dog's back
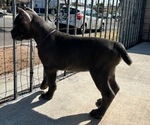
[[90, 49]]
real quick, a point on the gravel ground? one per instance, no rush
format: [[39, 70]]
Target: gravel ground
[[23, 58]]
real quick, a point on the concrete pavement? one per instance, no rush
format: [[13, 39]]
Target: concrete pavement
[[76, 95]]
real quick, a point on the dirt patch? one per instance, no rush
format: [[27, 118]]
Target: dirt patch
[[22, 58]]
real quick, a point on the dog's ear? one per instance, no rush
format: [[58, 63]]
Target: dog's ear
[[24, 15], [27, 8]]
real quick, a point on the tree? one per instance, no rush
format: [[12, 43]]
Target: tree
[[74, 3], [7, 2], [100, 6]]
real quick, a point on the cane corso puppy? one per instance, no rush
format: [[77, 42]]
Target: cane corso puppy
[[60, 51]]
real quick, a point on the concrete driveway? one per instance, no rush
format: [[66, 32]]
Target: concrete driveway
[[75, 97]]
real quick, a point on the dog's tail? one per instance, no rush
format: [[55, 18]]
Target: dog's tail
[[121, 49]]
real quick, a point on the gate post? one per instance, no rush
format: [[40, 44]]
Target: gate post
[[31, 57], [14, 55]]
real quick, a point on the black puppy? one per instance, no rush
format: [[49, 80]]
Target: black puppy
[[60, 51]]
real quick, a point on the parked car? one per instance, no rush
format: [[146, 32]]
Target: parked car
[[105, 15], [79, 19], [116, 16]]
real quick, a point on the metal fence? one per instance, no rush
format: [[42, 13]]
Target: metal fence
[[20, 68], [132, 12]]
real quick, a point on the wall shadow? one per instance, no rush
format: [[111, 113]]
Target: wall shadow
[[22, 113], [142, 48]]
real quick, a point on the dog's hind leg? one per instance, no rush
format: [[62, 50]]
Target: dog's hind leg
[[112, 81], [101, 79], [51, 78], [114, 86]]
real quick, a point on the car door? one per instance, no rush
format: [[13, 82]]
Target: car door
[[97, 22], [63, 17], [87, 18], [91, 18]]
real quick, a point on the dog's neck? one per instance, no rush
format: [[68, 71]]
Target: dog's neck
[[44, 39], [40, 29]]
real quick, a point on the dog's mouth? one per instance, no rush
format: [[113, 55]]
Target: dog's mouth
[[20, 38], [16, 36]]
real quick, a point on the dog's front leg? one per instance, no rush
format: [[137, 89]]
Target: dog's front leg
[[44, 84], [51, 78]]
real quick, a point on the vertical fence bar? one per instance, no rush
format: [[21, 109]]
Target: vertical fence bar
[[85, 4], [14, 54], [112, 8], [132, 25], [4, 55], [97, 18], [102, 16], [114, 26], [75, 30], [125, 28], [121, 29], [119, 21], [68, 20], [107, 19], [129, 23], [142, 19], [31, 66], [46, 10], [31, 57], [139, 18], [57, 16], [68, 16], [91, 15], [134, 21], [148, 37]]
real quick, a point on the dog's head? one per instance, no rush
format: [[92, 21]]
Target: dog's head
[[22, 23]]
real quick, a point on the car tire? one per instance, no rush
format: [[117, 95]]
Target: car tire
[[83, 30], [102, 27]]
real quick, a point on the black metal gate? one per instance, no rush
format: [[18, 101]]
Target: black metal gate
[[21, 70], [131, 12]]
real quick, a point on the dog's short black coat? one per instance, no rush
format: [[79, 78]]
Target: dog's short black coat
[[60, 51]]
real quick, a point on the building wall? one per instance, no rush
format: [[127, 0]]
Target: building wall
[[146, 26]]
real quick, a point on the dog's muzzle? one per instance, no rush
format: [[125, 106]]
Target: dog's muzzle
[[15, 35]]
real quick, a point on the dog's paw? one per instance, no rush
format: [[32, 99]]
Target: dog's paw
[[98, 103], [46, 96], [43, 86], [95, 114]]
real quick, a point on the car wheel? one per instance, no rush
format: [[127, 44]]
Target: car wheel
[[83, 29], [52, 15], [118, 19], [102, 27]]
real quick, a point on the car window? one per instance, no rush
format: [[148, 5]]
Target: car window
[[88, 13], [72, 10], [94, 14]]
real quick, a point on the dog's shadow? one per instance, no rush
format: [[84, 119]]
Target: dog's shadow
[[22, 113]]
